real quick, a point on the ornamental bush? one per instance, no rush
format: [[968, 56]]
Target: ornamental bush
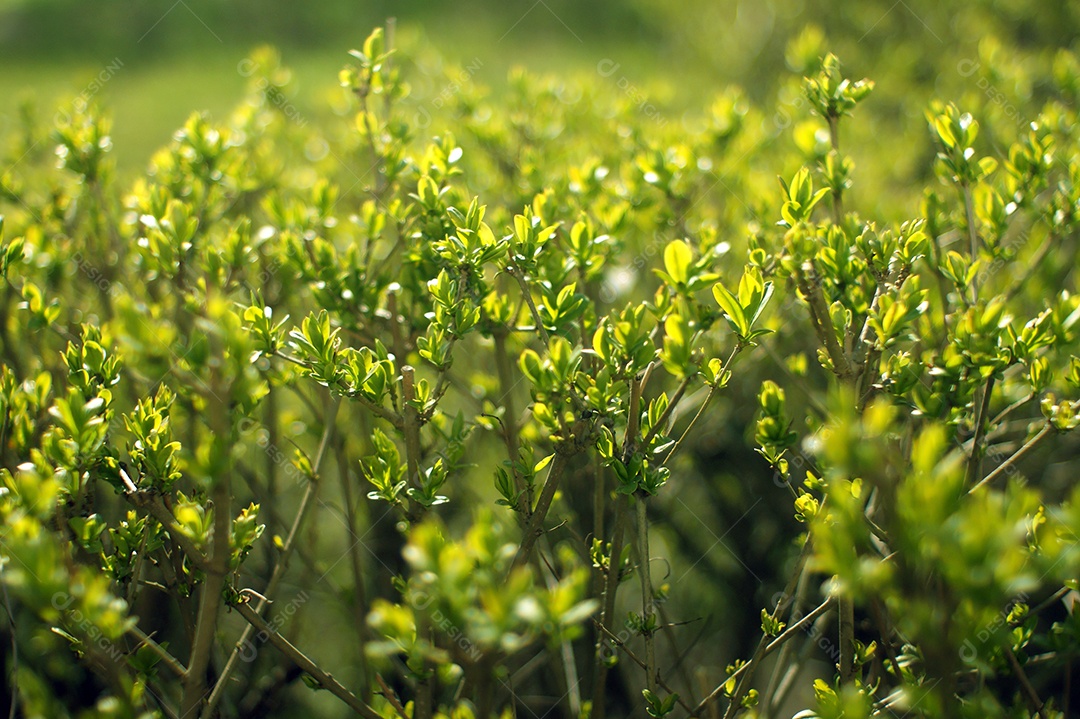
[[447, 404]]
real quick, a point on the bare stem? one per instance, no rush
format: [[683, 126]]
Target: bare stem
[[171, 663], [784, 670], [599, 498], [505, 370], [746, 672], [1016, 457], [646, 590], [837, 198], [272, 459], [974, 466], [799, 626], [637, 660], [526, 294], [389, 415], [412, 435], [13, 710], [306, 502], [672, 403], [154, 506], [633, 419], [611, 589], [1029, 691], [846, 607], [1050, 242], [136, 572], [810, 287], [359, 599], [1000, 417], [969, 212], [535, 526], [973, 237], [206, 626], [390, 696], [324, 679], [686, 432]]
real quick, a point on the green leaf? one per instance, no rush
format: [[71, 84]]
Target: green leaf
[[732, 309], [944, 131], [761, 303], [770, 627], [530, 366], [543, 463], [677, 261]]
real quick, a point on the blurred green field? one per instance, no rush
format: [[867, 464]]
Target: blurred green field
[[179, 57], [152, 64], [176, 58], [152, 82]]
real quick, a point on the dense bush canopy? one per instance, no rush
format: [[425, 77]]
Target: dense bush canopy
[[550, 401]]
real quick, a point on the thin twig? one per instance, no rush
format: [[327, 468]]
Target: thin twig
[[535, 526], [646, 589], [1016, 457], [389, 415], [679, 392], [680, 652], [324, 679], [390, 696], [610, 591], [411, 430], [1055, 597], [783, 669], [798, 626], [1033, 265], [846, 621], [306, 502], [1010, 409], [571, 686], [206, 626], [505, 371], [746, 671], [878, 610], [136, 571], [637, 660], [686, 432], [633, 419], [810, 286], [1032, 696], [359, 597], [13, 712], [974, 467], [171, 662], [156, 508], [526, 294], [973, 236]]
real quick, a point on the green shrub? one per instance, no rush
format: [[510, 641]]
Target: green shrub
[[396, 400]]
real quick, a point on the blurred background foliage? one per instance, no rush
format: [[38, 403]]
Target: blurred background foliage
[[681, 60], [180, 56]]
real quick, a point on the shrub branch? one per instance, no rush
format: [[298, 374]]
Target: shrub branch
[[324, 679]]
